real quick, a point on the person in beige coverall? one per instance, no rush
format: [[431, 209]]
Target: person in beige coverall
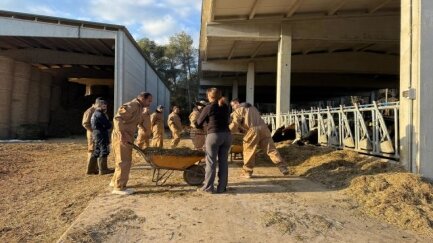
[[92, 167], [144, 130], [198, 136], [157, 124], [247, 117], [175, 126], [125, 122]]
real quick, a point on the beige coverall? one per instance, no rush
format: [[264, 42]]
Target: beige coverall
[[257, 136], [198, 136], [86, 124], [157, 123], [125, 121], [175, 126], [144, 131]]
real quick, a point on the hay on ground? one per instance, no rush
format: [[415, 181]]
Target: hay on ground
[[174, 152], [400, 198]]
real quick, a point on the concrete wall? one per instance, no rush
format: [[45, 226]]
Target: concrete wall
[[152, 86], [167, 99], [134, 68], [134, 74], [416, 118]]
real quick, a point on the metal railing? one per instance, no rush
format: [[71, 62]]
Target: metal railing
[[371, 129]]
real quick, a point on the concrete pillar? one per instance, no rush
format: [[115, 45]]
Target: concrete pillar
[[416, 60], [235, 89], [250, 82], [283, 71]]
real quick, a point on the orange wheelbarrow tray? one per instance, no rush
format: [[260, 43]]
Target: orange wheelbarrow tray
[[163, 167], [236, 150]]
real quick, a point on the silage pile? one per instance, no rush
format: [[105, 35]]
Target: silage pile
[[334, 168], [400, 198], [382, 188], [183, 151]]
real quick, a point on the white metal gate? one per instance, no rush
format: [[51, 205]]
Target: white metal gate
[[371, 129]]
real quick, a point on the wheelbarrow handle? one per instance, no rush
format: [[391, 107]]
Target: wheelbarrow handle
[[135, 146]]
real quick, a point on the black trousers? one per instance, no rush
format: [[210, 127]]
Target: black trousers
[[101, 143]]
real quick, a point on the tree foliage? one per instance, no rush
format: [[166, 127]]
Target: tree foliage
[[177, 62]]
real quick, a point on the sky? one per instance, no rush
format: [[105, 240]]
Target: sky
[[154, 19]]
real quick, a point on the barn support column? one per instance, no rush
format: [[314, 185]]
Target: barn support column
[[235, 89], [119, 74], [250, 82], [416, 116], [283, 71]]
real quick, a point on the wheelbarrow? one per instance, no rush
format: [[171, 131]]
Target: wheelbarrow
[[163, 167], [236, 149]]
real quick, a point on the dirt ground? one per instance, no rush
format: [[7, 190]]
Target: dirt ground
[[332, 195]]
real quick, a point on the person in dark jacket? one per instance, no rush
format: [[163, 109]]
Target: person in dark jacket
[[218, 140], [101, 127]]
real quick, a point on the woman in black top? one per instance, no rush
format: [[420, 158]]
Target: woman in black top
[[218, 140]]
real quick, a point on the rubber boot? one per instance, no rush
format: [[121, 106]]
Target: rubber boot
[[103, 169], [92, 167]]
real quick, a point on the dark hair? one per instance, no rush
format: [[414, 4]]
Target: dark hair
[[214, 93], [174, 107], [236, 100], [144, 95]]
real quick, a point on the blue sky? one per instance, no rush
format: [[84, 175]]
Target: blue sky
[[155, 19]]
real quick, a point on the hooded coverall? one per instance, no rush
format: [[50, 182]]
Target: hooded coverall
[[157, 123], [257, 136], [198, 136], [88, 126], [125, 122], [144, 131], [92, 168], [175, 126]]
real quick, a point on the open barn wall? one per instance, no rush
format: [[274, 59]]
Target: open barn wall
[[83, 60]]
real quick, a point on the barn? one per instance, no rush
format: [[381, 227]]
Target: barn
[[52, 69], [318, 57]]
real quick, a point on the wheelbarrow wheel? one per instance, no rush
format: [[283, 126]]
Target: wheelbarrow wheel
[[194, 175]]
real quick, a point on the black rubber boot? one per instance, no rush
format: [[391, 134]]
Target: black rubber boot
[[103, 169], [92, 166]]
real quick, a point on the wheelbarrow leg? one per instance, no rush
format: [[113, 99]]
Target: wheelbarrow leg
[[160, 178]]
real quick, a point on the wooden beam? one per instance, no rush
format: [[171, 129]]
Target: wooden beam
[[257, 49], [317, 44], [370, 29], [363, 47], [292, 8], [52, 57], [253, 10], [354, 62], [336, 7], [378, 5], [232, 50], [40, 66]]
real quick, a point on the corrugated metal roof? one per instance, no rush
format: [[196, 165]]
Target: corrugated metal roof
[[74, 22]]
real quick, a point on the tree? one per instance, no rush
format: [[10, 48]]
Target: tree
[[182, 43], [177, 63]]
